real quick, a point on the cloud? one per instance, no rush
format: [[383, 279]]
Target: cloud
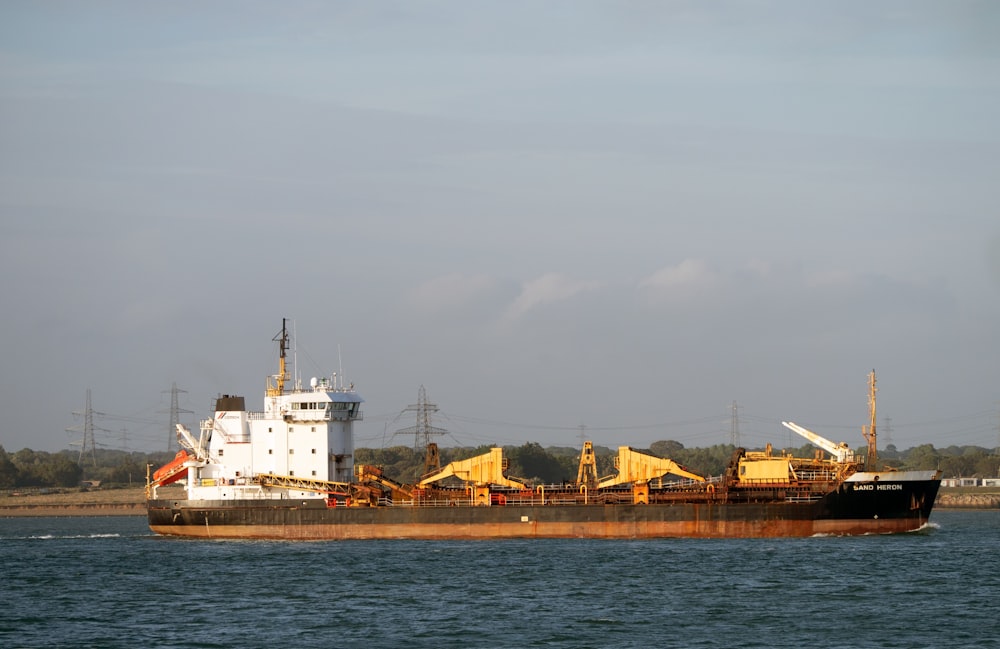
[[993, 259], [759, 267], [450, 291], [549, 288], [689, 277], [833, 279]]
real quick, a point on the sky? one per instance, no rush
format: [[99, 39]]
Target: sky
[[614, 221]]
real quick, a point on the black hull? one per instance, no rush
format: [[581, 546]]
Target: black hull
[[853, 508]]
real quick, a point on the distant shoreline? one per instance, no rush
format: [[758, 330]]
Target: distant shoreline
[[967, 501], [130, 501], [96, 509]]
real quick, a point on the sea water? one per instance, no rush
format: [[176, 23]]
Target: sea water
[[108, 582]]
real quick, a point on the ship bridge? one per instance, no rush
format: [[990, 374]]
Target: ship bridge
[[322, 401]]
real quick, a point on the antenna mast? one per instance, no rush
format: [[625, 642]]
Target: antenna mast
[[278, 388], [871, 461], [340, 367]]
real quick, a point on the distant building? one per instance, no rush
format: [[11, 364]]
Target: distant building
[[970, 482]]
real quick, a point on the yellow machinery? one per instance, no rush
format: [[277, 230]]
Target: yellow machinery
[[762, 468], [479, 474], [482, 470], [370, 473], [639, 468], [587, 475]]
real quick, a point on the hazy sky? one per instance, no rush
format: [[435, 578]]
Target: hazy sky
[[618, 215]]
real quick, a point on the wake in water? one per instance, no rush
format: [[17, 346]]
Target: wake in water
[[50, 537], [926, 528]]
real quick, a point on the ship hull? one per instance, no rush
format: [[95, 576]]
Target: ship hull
[[850, 509]]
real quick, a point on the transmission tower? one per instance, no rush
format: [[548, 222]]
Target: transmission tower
[[998, 443], [887, 433], [175, 412], [423, 431], [88, 431], [734, 427]]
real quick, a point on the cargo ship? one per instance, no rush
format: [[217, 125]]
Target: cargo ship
[[288, 472]]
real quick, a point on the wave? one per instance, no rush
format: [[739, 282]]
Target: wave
[[49, 537], [923, 529]]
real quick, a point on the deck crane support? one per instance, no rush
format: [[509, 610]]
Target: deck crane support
[[371, 473], [841, 452], [482, 470], [636, 467]]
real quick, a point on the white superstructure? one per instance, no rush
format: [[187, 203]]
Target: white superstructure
[[303, 439]]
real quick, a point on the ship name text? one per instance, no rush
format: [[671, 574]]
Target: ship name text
[[878, 487]]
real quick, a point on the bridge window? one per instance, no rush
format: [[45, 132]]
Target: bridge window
[[221, 451]]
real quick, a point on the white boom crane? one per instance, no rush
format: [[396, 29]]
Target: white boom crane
[[842, 452], [199, 447]]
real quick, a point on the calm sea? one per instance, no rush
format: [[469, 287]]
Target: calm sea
[[107, 582]]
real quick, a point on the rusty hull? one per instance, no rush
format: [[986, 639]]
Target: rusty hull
[[314, 521]]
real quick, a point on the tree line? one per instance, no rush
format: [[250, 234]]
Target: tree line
[[531, 462], [41, 469]]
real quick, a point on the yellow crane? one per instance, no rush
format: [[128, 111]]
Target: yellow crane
[[481, 470], [635, 467]]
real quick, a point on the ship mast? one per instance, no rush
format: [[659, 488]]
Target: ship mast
[[277, 389], [871, 461]]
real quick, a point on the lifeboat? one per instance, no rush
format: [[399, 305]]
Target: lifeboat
[[173, 470]]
